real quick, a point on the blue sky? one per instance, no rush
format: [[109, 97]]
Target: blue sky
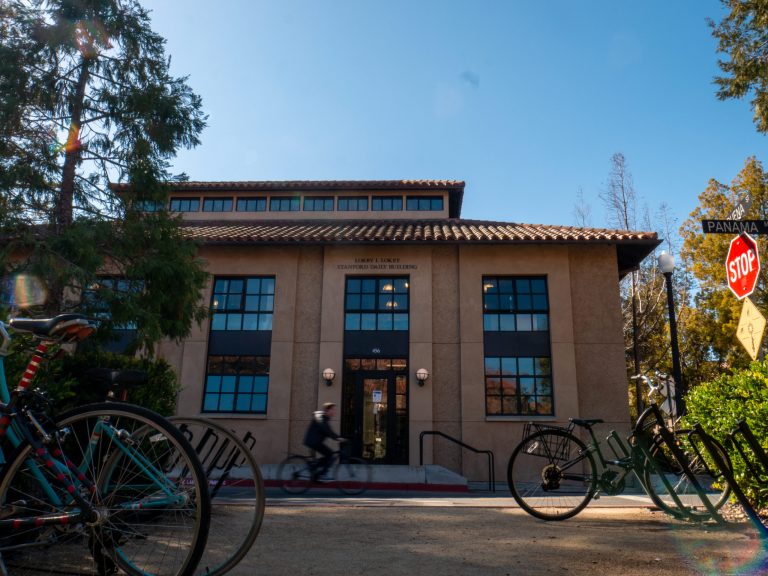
[[526, 101]]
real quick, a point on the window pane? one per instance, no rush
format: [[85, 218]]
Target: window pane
[[524, 302], [234, 321], [260, 384], [543, 366], [523, 285], [220, 286], [250, 321], [509, 405], [509, 366], [227, 402], [266, 303], [524, 323], [368, 321], [490, 286], [493, 386], [213, 384], [219, 322], [265, 321], [541, 322], [259, 403], [353, 302], [253, 285], [368, 302], [491, 322], [368, 285], [492, 366], [527, 386], [354, 285], [538, 286], [228, 383], [211, 402], [251, 303], [352, 322], [400, 322], [493, 405], [525, 366], [385, 322], [267, 285], [507, 322]]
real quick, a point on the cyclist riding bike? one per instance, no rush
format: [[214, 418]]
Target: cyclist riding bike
[[318, 431]]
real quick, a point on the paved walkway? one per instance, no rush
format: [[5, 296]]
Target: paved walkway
[[485, 534]]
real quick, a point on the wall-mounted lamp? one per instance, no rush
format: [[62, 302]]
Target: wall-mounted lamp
[[421, 376], [328, 376]]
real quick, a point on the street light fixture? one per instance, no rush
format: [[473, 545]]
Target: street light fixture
[[667, 267]]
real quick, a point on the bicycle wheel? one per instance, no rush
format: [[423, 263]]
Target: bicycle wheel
[[352, 475], [149, 522], [552, 475], [294, 474], [237, 493], [707, 475]]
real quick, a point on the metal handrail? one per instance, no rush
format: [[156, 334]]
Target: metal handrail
[[491, 461]]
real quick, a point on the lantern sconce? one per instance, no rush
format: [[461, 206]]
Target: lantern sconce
[[328, 376], [421, 376]]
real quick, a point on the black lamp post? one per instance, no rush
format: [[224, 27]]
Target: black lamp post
[[667, 266]]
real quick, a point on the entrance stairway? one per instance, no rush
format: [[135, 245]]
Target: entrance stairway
[[428, 478]]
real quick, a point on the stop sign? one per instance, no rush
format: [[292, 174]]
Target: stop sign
[[742, 265]]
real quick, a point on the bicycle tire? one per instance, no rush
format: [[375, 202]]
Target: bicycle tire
[[237, 493], [552, 475], [134, 533], [294, 474], [708, 477], [352, 475]]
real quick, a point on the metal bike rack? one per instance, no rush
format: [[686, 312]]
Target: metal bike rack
[[757, 464], [491, 466]]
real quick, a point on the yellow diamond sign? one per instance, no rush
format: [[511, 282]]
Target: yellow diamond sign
[[751, 327]]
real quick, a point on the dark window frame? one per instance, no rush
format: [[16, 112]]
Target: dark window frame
[[184, 204], [318, 204], [377, 303], [243, 204], [284, 204], [424, 203], [352, 204], [386, 204], [217, 204], [236, 384]]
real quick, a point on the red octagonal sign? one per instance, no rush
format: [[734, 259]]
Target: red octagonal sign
[[742, 265]]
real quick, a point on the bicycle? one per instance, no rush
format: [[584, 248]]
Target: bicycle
[[553, 475], [104, 487], [349, 474], [235, 482]]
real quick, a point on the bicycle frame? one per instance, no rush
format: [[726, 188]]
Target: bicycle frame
[[16, 429], [638, 457]]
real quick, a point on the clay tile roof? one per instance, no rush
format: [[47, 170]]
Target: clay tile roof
[[632, 246]]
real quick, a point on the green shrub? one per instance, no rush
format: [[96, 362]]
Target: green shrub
[[720, 404], [66, 383]]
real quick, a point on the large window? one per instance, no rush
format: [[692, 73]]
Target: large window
[[378, 303], [284, 204], [518, 386], [236, 384], [518, 374], [515, 304], [387, 203], [217, 205], [185, 204], [318, 203], [243, 303], [427, 203], [251, 204], [353, 203]]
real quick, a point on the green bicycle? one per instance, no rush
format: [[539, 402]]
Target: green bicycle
[[553, 474]]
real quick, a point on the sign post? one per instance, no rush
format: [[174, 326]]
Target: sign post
[[742, 265]]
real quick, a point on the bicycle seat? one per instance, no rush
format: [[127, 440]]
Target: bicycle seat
[[74, 326], [586, 422]]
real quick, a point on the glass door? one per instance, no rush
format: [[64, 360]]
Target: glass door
[[375, 415]]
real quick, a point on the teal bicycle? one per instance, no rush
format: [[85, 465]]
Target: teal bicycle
[[107, 488]]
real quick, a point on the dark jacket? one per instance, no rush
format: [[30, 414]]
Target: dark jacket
[[319, 430]]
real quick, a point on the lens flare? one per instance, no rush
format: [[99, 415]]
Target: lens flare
[[23, 291], [747, 554]]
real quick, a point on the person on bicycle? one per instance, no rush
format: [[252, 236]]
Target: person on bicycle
[[319, 429]]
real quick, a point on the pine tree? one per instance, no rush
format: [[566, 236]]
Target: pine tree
[[87, 101]]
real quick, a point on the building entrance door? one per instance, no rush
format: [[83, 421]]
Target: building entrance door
[[375, 416]]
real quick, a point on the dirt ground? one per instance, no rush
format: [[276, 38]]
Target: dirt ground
[[352, 539]]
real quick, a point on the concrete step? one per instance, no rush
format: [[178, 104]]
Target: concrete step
[[430, 477]]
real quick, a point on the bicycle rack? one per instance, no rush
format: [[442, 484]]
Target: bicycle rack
[[738, 437], [491, 461]]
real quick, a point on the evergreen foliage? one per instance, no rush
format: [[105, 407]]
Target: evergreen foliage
[[89, 118]]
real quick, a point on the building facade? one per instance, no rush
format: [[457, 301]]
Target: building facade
[[378, 296]]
